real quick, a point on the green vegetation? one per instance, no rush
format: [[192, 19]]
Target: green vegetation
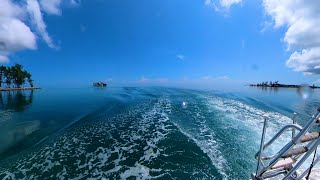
[[276, 84], [14, 76]]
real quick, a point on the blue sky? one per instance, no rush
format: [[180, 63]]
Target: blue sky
[[174, 43]]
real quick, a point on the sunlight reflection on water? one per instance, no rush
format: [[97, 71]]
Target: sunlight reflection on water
[[304, 91], [184, 105]]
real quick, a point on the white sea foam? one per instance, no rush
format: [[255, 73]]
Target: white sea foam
[[252, 118], [210, 147], [125, 134], [202, 135], [139, 171], [9, 175], [234, 114]]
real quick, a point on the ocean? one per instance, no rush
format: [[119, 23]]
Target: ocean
[[142, 133]]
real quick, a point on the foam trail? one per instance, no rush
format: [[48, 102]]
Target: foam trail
[[252, 118], [154, 130], [211, 149], [193, 124], [102, 148], [209, 120]]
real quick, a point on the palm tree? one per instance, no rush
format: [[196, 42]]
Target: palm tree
[[18, 75], [14, 75], [2, 70], [8, 76], [28, 76]]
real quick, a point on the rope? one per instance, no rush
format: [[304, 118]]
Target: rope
[[311, 166]]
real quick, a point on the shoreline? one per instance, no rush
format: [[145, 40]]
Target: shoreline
[[17, 89], [282, 86]]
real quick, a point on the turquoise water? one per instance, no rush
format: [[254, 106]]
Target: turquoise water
[[140, 133]]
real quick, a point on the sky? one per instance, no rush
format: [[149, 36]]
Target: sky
[[162, 42]]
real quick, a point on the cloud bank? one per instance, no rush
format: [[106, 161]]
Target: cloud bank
[[302, 22], [15, 35], [22, 24]]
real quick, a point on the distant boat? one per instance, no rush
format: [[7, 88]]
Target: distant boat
[[100, 84]]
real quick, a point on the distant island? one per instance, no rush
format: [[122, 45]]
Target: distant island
[[14, 78], [100, 84], [276, 84]]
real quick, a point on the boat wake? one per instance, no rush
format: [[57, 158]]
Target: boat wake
[[223, 129], [137, 143]]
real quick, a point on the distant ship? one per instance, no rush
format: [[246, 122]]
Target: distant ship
[[100, 84]]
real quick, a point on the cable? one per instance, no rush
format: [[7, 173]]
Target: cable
[[311, 166]]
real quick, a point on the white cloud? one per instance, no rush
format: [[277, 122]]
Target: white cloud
[[33, 9], [4, 59], [307, 61], [317, 81], [75, 2], [15, 35], [218, 78], [143, 80], [181, 57], [228, 3], [150, 81], [206, 77], [51, 6], [161, 80], [15, 32], [302, 21], [222, 78], [8, 9], [222, 5]]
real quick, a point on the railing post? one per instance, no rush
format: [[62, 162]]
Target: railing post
[[294, 122], [261, 144]]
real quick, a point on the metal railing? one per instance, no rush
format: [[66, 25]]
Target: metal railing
[[261, 144], [295, 139], [279, 133]]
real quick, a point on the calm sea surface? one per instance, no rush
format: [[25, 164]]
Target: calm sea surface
[[141, 133]]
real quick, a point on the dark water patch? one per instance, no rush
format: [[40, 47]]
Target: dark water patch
[[15, 100], [39, 134]]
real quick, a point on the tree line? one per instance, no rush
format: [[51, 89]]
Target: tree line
[[14, 76], [270, 83]]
